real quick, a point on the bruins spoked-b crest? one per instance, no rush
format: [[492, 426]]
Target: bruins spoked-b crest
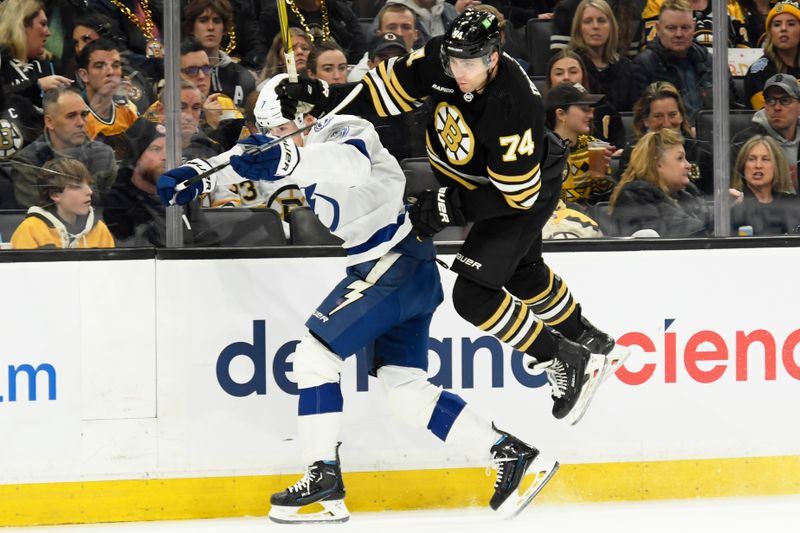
[[454, 134]]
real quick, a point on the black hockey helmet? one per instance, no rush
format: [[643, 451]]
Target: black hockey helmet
[[473, 33]]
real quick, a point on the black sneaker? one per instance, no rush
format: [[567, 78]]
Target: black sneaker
[[515, 461], [574, 374], [597, 341], [321, 484]]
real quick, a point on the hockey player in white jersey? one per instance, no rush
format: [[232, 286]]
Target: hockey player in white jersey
[[385, 303]]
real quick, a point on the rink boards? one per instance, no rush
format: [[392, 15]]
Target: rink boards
[[163, 388]]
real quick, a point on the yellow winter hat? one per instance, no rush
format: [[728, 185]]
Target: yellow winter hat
[[791, 7]]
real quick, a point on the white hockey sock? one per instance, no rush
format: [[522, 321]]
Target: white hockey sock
[[319, 435], [472, 435]]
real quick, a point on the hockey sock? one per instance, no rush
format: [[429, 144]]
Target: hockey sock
[[319, 421], [549, 297], [457, 425], [504, 316]]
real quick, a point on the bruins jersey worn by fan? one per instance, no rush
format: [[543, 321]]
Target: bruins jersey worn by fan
[[703, 18], [578, 186], [500, 170]]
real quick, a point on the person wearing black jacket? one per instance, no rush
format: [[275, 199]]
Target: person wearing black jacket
[[321, 20], [629, 16], [655, 192], [675, 57]]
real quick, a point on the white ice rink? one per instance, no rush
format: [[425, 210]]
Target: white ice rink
[[731, 515]]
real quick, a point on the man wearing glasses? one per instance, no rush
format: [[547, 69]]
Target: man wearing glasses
[[778, 120], [219, 111]]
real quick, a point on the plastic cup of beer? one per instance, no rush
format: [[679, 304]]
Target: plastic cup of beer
[[597, 158]]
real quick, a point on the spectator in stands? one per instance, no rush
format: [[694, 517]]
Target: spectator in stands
[[61, 15], [208, 21], [133, 207], [594, 37], [138, 23], [243, 38], [628, 14], [381, 46], [755, 19], [276, 61], [781, 49], [398, 19], [327, 62], [100, 69], [675, 57], [322, 20], [655, 192], [194, 142], [222, 120], [568, 112], [661, 106], [24, 67], [90, 27], [567, 67], [703, 21], [433, 16], [64, 216], [765, 201], [778, 120], [64, 136]]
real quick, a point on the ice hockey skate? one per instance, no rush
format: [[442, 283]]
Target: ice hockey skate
[[521, 474], [574, 374], [597, 341], [317, 497]]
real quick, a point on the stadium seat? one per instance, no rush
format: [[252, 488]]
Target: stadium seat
[[608, 225], [537, 38], [419, 175], [738, 83], [627, 121], [9, 220], [541, 83], [242, 226], [739, 120], [7, 198], [305, 228]]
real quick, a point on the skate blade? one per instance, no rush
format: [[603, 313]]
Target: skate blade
[[541, 471], [615, 358], [594, 371], [334, 511]]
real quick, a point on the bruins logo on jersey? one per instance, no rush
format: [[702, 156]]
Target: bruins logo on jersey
[[454, 135], [10, 138]]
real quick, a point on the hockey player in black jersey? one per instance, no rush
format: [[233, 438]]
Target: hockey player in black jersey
[[501, 170]]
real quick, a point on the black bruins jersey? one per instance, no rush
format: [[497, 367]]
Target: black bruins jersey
[[472, 139]]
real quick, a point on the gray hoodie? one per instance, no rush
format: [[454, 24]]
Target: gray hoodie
[[790, 148]]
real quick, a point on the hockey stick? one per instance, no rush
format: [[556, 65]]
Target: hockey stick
[[272, 144], [286, 37]]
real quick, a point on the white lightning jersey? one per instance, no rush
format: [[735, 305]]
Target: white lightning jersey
[[353, 184]]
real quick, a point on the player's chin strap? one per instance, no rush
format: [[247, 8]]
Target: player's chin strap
[[251, 149]]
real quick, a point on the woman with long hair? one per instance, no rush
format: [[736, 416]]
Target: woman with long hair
[[594, 37], [766, 201], [781, 52], [276, 60], [655, 192], [25, 65], [566, 66]]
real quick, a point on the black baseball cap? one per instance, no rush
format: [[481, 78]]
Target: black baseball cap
[[382, 41], [567, 94]]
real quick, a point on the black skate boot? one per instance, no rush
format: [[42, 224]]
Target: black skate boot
[[574, 374], [521, 474], [597, 341], [322, 485]]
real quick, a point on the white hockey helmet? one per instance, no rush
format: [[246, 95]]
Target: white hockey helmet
[[268, 107]]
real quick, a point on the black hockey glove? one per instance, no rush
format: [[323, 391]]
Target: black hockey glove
[[435, 209], [293, 96]]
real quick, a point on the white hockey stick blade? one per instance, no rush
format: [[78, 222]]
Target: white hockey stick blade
[[541, 470], [335, 511], [594, 373], [615, 358]]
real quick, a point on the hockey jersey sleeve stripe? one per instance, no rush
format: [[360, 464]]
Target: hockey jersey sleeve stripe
[[391, 86], [360, 145], [381, 91], [502, 178], [376, 100], [392, 80], [452, 175]]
